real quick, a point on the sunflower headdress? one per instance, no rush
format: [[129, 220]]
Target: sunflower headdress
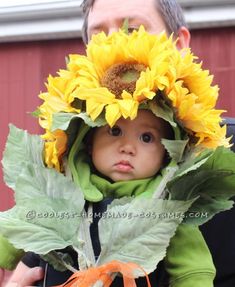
[[119, 74]]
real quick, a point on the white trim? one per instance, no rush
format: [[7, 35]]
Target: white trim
[[209, 17], [60, 19], [209, 3], [40, 21], [53, 9], [41, 30]]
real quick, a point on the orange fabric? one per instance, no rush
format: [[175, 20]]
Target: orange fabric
[[89, 277]]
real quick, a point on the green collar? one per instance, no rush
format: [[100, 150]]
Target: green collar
[[95, 188], [125, 188]]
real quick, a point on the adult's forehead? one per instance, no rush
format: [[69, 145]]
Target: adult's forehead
[[131, 9]]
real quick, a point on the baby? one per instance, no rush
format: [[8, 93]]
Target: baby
[[131, 149]]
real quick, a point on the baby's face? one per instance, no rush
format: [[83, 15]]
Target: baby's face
[[131, 149]]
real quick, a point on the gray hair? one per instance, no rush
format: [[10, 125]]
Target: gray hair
[[169, 10]]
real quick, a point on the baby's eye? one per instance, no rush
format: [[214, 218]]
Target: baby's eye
[[115, 131], [146, 137]]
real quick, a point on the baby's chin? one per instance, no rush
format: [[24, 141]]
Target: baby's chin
[[124, 177], [120, 177]]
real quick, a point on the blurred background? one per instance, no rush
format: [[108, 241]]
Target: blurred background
[[36, 36]]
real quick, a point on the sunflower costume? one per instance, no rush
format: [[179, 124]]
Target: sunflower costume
[[57, 193]]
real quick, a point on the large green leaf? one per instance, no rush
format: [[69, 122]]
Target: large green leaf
[[139, 230], [205, 208], [29, 236], [48, 204], [222, 158], [192, 161], [20, 148], [211, 179]]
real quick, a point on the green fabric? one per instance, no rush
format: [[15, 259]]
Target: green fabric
[[188, 260], [129, 188], [95, 188], [81, 175], [10, 256]]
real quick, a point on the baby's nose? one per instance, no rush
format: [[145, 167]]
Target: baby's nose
[[128, 147]]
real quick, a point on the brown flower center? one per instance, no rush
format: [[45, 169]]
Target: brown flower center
[[121, 77]]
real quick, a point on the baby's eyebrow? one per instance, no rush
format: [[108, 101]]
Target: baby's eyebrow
[[150, 127]]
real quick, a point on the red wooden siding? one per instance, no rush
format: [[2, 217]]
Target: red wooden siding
[[216, 47], [24, 68]]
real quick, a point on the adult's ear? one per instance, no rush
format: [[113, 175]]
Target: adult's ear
[[183, 38]]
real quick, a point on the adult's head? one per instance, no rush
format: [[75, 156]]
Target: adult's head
[[155, 15]]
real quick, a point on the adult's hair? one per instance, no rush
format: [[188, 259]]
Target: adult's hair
[[169, 10]]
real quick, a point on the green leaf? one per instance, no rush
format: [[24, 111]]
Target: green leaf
[[198, 214], [125, 26], [58, 260], [175, 148], [168, 174], [138, 230], [194, 184], [36, 113], [20, 149], [47, 212], [48, 205], [162, 110], [222, 158], [210, 180], [192, 161], [29, 236], [62, 120]]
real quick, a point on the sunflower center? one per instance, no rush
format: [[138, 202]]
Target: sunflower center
[[121, 77], [130, 76]]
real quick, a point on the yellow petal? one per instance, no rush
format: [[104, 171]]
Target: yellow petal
[[112, 114], [126, 107], [55, 147], [93, 108]]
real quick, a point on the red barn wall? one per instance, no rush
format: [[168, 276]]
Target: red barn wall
[[216, 48], [25, 66]]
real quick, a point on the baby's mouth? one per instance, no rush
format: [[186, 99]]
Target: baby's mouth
[[123, 166]]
